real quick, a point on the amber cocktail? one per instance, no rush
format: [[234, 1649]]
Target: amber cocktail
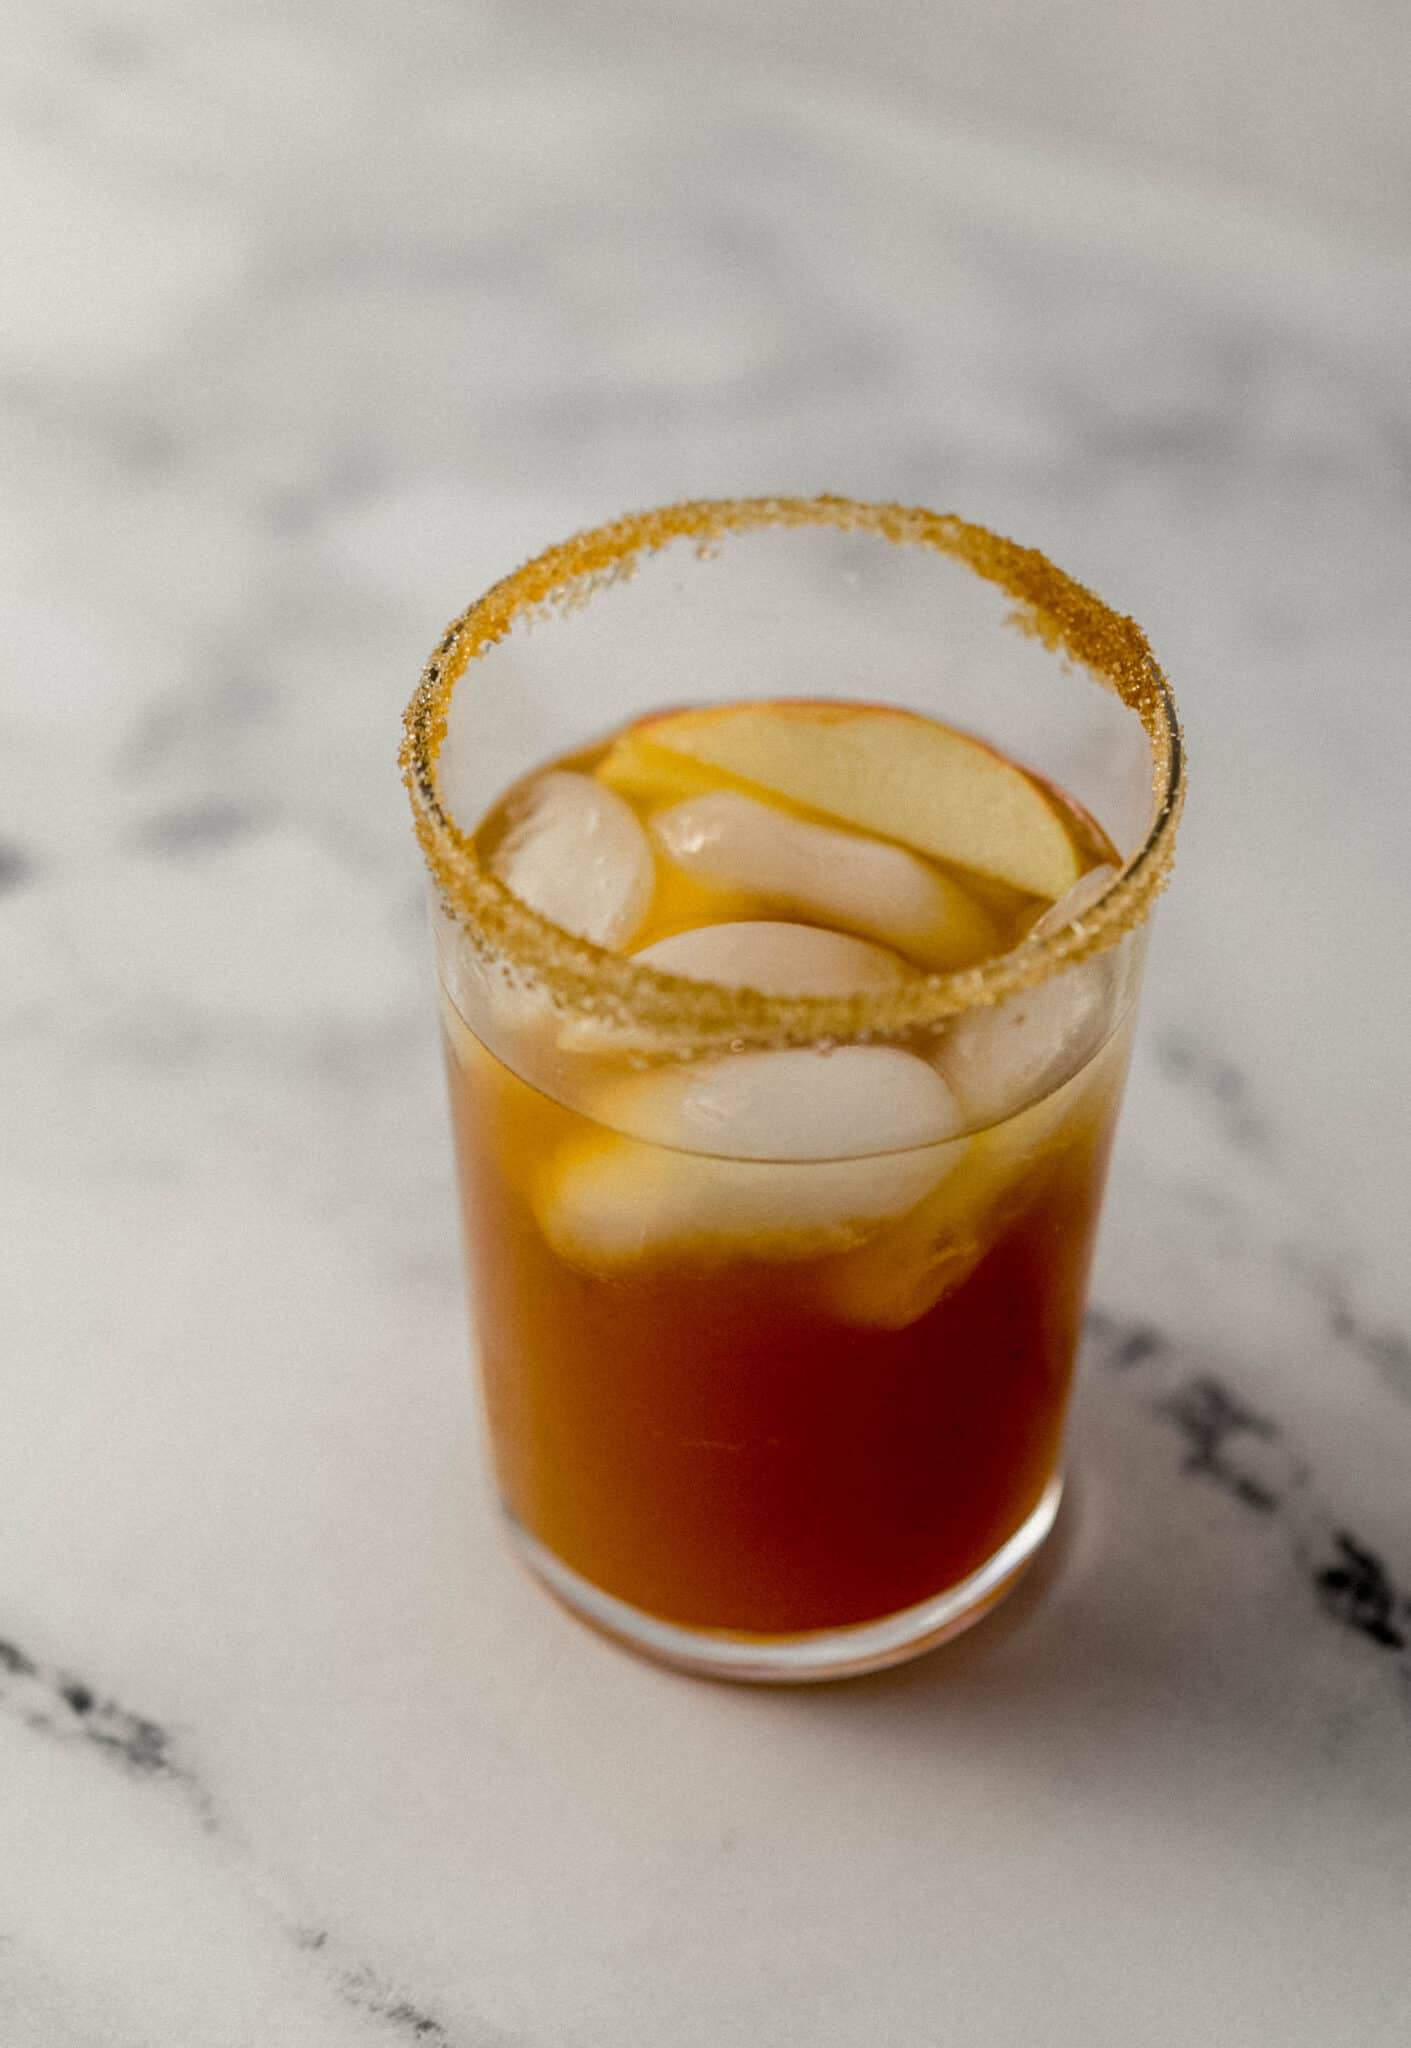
[[786, 1031]]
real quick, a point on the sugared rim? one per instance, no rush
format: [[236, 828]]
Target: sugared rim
[[583, 979]]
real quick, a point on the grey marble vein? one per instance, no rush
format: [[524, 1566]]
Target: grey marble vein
[[53, 1702], [1191, 1063], [1231, 1445], [55, 1705]]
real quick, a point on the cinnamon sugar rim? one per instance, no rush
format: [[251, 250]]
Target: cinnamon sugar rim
[[689, 1016]]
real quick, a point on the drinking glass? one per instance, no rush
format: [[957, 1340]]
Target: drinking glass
[[786, 1417]]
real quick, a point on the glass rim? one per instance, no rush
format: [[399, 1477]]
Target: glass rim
[[584, 979]]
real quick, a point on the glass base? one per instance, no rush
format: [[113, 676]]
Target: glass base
[[816, 1655]]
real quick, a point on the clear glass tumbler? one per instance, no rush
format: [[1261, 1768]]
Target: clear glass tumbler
[[783, 1417]]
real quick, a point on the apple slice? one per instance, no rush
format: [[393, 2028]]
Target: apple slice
[[650, 776], [890, 772]]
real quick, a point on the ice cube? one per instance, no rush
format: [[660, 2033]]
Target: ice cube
[[762, 953], [793, 1104], [777, 958], [1000, 1059], [771, 1163], [901, 1274], [576, 853], [904, 1272], [1074, 902], [841, 878]]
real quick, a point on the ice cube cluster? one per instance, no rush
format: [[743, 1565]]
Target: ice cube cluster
[[785, 1153]]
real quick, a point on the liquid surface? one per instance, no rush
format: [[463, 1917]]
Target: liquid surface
[[782, 1341]]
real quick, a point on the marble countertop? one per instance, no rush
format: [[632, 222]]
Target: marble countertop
[[316, 319]]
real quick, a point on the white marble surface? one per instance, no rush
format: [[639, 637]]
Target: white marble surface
[[317, 317]]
